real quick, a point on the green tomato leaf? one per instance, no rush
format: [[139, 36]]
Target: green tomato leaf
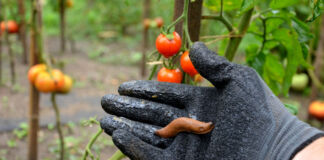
[[274, 68], [276, 4], [304, 33], [317, 9], [289, 39]]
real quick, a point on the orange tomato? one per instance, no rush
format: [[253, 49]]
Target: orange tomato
[[67, 85], [9, 25], [187, 65], [46, 82], [169, 75], [58, 78], [34, 71], [168, 47], [316, 109]]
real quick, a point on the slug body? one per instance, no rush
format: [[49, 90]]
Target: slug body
[[184, 124]]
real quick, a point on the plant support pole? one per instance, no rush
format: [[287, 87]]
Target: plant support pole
[[1, 8], [146, 14], [33, 93]]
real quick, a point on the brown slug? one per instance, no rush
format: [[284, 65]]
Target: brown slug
[[184, 124]]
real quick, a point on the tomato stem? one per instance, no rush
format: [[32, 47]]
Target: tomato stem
[[175, 22], [234, 42], [91, 142], [185, 23], [58, 125], [117, 155]]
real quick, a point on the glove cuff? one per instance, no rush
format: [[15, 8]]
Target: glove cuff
[[294, 135]]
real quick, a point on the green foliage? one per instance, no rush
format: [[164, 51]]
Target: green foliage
[[317, 9], [278, 38], [12, 143], [22, 131]]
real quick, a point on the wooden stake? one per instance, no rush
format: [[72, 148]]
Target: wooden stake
[[1, 18], [35, 51], [194, 19], [146, 14], [177, 11], [22, 30]]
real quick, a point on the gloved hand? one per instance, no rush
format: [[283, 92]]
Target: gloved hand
[[250, 121]]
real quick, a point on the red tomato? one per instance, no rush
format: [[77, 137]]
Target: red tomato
[[187, 65], [11, 25], [159, 22], [169, 75], [168, 47]]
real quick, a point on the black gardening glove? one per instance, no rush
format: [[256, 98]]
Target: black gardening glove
[[250, 121]]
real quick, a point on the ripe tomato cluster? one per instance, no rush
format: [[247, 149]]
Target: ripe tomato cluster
[[10, 26], [153, 23], [169, 46], [49, 81]]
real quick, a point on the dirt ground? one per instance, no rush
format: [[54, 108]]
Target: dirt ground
[[93, 79]]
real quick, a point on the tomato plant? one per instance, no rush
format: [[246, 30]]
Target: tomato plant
[[169, 75], [168, 45]]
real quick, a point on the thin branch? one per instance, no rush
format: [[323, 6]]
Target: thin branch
[[222, 19], [221, 9], [175, 22], [220, 36], [264, 36], [89, 145]]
